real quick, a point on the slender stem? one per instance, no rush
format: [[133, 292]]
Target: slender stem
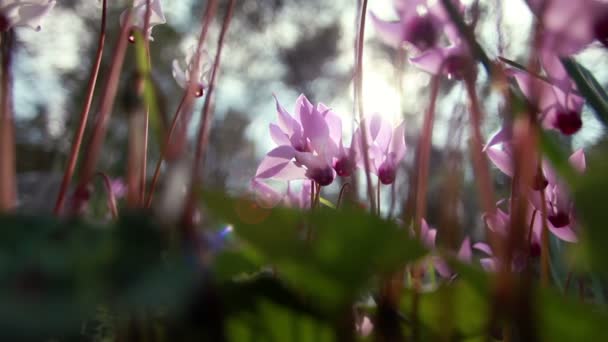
[[164, 151], [359, 100], [144, 162], [110, 193], [545, 247], [378, 197], [341, 195], [84, 114], [206, 114], [424, 154], [191, 88], [8, 179], [107, 102]]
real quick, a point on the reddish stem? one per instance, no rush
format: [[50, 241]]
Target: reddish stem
[[359, 101], [164, 152], [84, 115], [8, 179], [206, 113], [107, 102], [424, 154]]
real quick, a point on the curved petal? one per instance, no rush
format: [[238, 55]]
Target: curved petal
[[501, 159], [278, 136], [430, 60], [564, 233], [398, 147], [179, 75], [30, 14], [278, 164], [483, 247], [464, 253], [287, 123], [578, 161], [265, 196], [390, 32]]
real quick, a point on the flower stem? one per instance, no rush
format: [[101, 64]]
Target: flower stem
[[424, 155], [164, 151], [8, 179], [359, 101], [206, 113], [107, 102], [84, 114], [146, 125], [341, 195]]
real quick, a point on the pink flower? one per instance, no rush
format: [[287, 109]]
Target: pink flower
[[386, 147], [182, 75], [267, 197], [138, 19], [23, 13], [559, 105], [419, 24], [307, 144], [569, 26]]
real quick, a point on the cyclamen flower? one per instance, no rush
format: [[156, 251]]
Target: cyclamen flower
[[138, 19], [569, 26], [386, 147], [182, 75], [559, 109], [307, 144], [560, 208], [420, 24], [23, 13]]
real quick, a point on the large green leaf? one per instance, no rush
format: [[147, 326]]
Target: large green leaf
[[348, 247]]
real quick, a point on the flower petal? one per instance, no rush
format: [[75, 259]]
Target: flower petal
[[501, 159]]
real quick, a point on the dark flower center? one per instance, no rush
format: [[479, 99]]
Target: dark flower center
[[4, 23], [422, 32], [322, 176], [540, 182], [457, 66], [387, 173], [344, 166], [534, 250], [559, 220], [600, 29], [568, 122]]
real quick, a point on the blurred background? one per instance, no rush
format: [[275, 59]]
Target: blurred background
[[271, 48]]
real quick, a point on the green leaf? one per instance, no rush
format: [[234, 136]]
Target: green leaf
[[589, 88], [348, 247]]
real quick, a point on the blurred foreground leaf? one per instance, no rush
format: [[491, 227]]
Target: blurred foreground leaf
[[54, 273], [348, 248]]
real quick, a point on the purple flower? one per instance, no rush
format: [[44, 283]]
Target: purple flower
[[307, 144], [23, 13], [386, 147], [453, 61], [559, 105], [464, 254], [569, 26], [138, 19], [560, 211], [182, 75], [419, 24]]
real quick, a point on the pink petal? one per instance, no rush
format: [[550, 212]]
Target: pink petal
[[464, 253], [578, 161], [498, 137], [391, 32], [501, 160], [398, 143], [430, 60], [564, 233], [278, 164], [442, 267], [286, 122], [488, 264], [278, 136], [484, 247]]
